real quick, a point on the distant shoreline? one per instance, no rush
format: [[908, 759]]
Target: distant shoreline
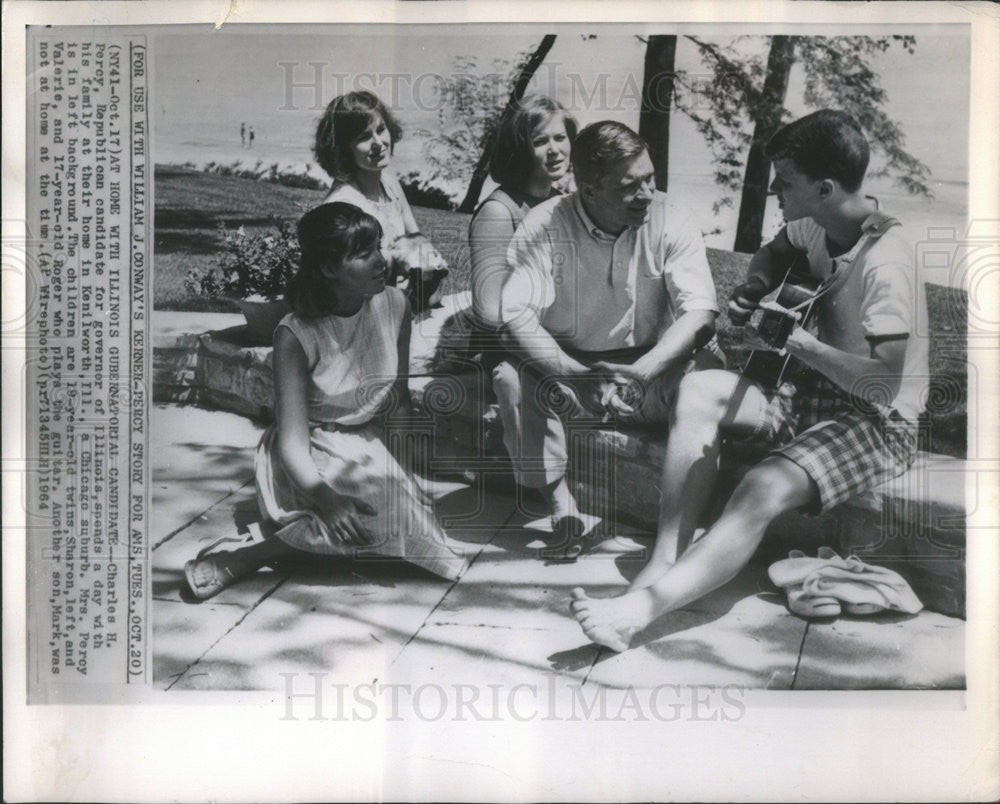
[[922, 218]]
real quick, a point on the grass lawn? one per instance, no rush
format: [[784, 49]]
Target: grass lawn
[[190, 205]]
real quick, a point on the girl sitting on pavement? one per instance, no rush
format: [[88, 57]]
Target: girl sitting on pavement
[[325, 478]]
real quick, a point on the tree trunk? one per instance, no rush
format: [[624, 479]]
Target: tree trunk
[[528, 69], [657, 100], [766, 122]]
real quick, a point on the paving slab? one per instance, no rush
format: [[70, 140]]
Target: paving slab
[[223, 520], [342, 617], [199, 457], [505, 621], [740, 634], [183, 634], [283, 638], [886, 651], [452, 654], [508, 620], [184, 628], [345, 618]]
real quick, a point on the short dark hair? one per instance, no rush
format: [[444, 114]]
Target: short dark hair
[[827, 144], [330, 233], [510, 164], [346, 117], [599, 146]]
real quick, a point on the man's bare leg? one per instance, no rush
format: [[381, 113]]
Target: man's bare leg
[[706, 402], [773, 487]]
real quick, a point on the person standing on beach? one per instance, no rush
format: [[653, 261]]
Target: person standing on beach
[[251, 136], [243, 135]]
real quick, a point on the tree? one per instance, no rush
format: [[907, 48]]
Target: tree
[[750, 224], [657, 102], [743, 93], [525, 70], [467, 106]]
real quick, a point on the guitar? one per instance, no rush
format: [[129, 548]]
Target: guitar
[[795, 302], [780, 311]]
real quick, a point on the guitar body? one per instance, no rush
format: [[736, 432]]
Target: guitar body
[[798, 291]]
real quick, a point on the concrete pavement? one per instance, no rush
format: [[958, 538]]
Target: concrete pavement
[[504, 621]]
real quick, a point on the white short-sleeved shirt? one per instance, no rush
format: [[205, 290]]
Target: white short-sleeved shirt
[[594, 291], [353, 360], [882, 296]]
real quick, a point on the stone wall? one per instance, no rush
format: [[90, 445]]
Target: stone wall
[[915, 524]]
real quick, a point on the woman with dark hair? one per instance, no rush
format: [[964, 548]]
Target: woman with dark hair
[[326, 482], [354, 143], [532, 154]]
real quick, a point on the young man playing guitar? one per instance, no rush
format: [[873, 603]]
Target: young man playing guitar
[[845, 424]]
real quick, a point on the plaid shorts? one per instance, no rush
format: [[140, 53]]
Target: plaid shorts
[[845, 445]]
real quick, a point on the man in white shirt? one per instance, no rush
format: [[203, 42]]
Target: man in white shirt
[[609, 302], [847, 424]]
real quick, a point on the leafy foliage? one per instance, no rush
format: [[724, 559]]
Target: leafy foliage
[[471, 102], [420, 192], [725, 104], [251, 265]]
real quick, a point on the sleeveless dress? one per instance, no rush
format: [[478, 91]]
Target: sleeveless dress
[[411, 256], [353, 363], [489, 237], [488, 241], [390, 212]]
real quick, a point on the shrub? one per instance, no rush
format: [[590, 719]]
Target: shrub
[[420, 192], [252, 265]]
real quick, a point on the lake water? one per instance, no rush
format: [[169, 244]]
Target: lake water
[[206, 85]]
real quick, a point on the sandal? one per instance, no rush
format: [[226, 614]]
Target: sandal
[[794, 570], [217, 576], [567, 535], [811, 606]]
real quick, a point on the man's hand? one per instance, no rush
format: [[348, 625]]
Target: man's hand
[[767, 329], [623, 388], [800, 339], [585, 393], [745, 299]]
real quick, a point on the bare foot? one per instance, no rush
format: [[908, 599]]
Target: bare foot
[[613, 621]]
